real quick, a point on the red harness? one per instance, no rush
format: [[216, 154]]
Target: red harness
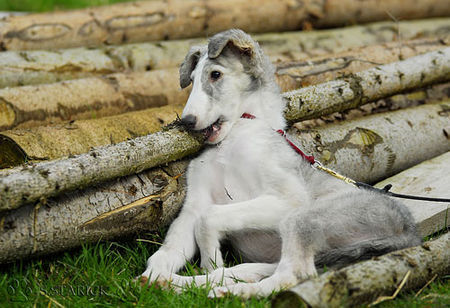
[[309, 158]]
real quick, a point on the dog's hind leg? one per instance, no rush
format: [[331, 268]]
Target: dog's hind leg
[[246, 272], [262, 213], [296, 263]]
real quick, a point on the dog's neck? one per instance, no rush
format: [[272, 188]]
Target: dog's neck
[[267, 105]]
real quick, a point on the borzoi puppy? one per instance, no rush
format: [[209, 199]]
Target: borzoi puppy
[[249, 187]]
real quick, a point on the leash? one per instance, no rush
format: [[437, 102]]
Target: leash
[[316, 164]]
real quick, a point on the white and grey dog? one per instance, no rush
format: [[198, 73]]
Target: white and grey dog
[[249, 187]]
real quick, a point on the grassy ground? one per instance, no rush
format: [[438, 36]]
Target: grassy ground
[[97, 275], [48, 5], [100, 275]]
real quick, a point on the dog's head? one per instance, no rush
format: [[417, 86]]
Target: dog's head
[[223, 74]]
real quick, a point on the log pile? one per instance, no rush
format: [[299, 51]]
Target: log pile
[[45, 66], [86, 152]]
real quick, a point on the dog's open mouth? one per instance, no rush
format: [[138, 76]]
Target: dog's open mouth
[[212, 131]]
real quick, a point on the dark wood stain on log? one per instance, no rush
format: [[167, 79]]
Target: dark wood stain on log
[[141, 101], [40, 32], [11, 153], [134, 21], [359, 138], [89, 27], [66, 113], [445, 110]]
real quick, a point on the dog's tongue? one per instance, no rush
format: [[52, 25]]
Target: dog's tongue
[[212, 132], [215, 128]]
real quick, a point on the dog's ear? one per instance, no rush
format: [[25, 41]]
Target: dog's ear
[[188, 65], [240, 43]]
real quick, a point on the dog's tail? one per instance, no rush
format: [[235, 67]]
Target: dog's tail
[[340, 257]]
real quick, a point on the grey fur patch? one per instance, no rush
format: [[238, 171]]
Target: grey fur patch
[[189, 64], [245, 48], [210, 89], [342, 234]]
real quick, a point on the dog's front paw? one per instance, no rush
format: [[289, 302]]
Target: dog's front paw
[[159, 268]]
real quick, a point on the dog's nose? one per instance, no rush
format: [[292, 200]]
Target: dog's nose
[[189, 121]]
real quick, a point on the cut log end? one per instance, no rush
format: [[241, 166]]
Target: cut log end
[[12, 153]]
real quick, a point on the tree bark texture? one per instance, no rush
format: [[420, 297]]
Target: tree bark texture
[[364, 282], [76, 137], [369, 85], [42, 180], [372, 148], [432, 94], [88, 98], [293, 75], [365, 149], [18, 146], [430, 179], [164, 20], [142, 202], [28, 106], [47, 66]]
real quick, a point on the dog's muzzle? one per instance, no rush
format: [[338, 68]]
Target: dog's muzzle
[[189, 121]]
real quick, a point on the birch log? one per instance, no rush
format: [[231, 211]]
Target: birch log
[[88, 98], [122, 207], [79, 99], [76, 137], [371, 145], [163, 20], [429, 95], [431, 179], [36, 181], [46, 66], [364, 282], [360, 88]]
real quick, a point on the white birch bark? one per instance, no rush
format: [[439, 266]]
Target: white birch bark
[[363, 87], [433, 94], [19, 68], [164, 20], [76, 137], [121, 207], [88, 98], [42, 180], [372, 148]]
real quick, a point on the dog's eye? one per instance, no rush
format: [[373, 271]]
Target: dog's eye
[[215, 75]]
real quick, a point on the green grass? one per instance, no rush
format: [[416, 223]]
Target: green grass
[[100, 275], [49, 5]]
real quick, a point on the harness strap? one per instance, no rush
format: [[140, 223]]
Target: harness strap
[[360, 185], [309, 158]]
